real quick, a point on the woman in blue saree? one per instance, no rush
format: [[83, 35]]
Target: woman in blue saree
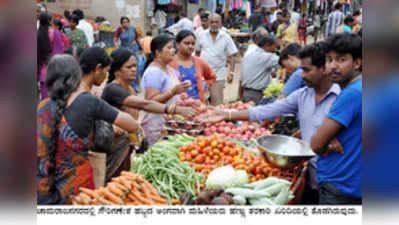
[[128, 37]]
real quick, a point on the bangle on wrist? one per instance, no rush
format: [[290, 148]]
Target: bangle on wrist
[[165, 111], [169, 109]]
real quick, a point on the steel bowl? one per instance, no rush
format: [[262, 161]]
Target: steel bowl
[[284, 151]]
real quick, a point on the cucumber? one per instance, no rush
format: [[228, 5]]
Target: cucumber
[[247, 193], [239, 200], [261, 201], [283, 197], [262, 184], [274, 189]]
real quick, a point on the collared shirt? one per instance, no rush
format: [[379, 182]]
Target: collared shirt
[[256, 69], [251, 48], [88, 29], [334, 21], [294, 82], [215, 53], [197, 21], [302, 101], [183, 24]]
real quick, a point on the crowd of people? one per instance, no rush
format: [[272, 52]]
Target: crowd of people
[[323, 87]]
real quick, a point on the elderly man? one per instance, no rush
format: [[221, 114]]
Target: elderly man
[[215, 47], [257, 67], [259, 33]]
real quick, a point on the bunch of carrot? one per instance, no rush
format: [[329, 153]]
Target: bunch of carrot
[[127, 189]]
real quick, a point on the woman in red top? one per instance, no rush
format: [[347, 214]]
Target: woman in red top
[[302, 29], [192, 67]]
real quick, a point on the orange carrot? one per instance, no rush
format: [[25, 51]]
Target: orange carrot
[[175, 201], [104, 201], [113, 198], [85, 197], [123, 181], [114, 189], [121, 187], [89, 192], [159, 200], [138, 196]]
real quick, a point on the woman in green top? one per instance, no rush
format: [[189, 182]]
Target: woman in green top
[[77, 36]]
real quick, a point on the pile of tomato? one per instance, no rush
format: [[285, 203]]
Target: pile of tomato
[[209, 153]]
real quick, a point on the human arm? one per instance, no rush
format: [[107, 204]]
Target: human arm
[[209, 74], [116, 37], [231, 51], [346, 109], [258, 113], [241, 90]]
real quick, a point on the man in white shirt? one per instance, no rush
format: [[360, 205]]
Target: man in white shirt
[[197, 18], [204, 24], [85, 26], [183, 24], [215, 47], [295, 17], [259, 33]]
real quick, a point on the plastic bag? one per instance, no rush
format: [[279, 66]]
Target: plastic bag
[[103, 138]]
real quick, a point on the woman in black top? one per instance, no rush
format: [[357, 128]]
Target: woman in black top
[[65, 122], [120, 94]]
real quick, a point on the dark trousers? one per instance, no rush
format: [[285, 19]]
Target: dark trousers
[[252, 95], [331, 195]]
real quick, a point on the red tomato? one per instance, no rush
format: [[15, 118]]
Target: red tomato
[[190, 147], [259, 170], [207, 161], [188, 157], [216, 158], [202, 144], [201, 159], [226, 150], [233, 152], [231, 144], [207, 149], [194, 153], [211, 154], [220, 147], [214, 144]]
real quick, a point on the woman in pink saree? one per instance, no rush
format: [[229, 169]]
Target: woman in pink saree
[[161, 83], [49, 43]]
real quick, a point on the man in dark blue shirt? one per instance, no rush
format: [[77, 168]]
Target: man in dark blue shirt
[[291, 63], [339, 172]]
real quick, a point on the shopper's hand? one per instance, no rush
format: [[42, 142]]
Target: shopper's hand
[[214, 116], [335, 146], [118, 131], [230, 78], [186, 111], [182, 87]]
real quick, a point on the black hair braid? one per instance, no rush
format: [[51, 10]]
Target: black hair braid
[[63, 78]]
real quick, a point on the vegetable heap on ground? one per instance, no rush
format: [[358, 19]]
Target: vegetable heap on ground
[[270, 191], [127, 189], [209, 153], [161, 166]]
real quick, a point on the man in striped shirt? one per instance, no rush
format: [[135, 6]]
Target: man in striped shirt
[[335, 19]]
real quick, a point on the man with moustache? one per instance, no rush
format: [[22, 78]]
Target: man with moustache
[[339, 172], [310, 103], [215, 47]]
